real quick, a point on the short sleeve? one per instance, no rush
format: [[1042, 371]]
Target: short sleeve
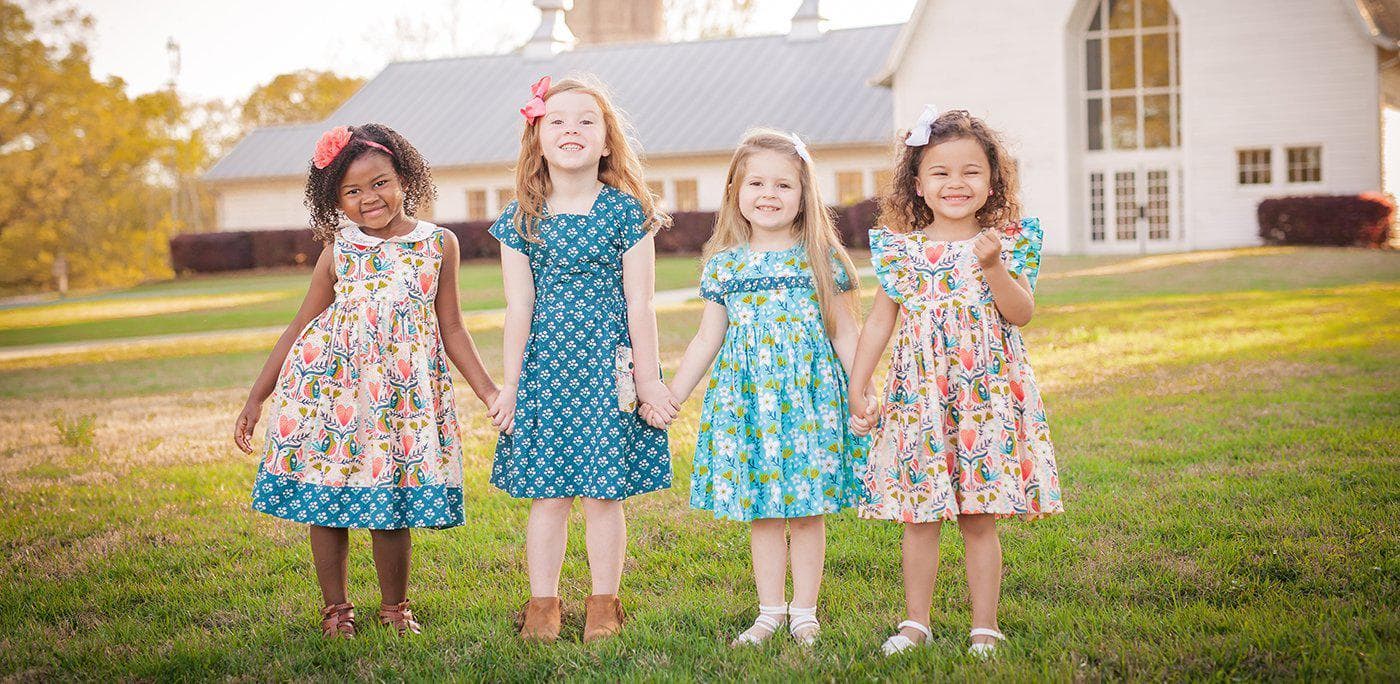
[[1024, 250], [504, 229], [888, 257], [839, 274], [631, 222], [711, 287]]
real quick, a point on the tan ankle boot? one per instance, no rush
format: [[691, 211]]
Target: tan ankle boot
[[540, 619], [602, 617]]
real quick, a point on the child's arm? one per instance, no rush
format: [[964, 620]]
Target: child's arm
[[700, 353], [318, 296], [879, 325], [847, 332], [1012, 295], [638, 286], [456, 341], [520, 308]]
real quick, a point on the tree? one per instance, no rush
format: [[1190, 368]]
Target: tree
[[704, 19], [85, 167], [299, 97]]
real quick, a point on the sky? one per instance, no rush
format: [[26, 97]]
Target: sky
[[229, 48]]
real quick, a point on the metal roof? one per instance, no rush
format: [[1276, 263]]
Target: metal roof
[[682, 98]]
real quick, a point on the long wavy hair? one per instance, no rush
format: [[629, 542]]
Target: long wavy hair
[[621, 168], [901, 208], [323, 185], [815, 224]]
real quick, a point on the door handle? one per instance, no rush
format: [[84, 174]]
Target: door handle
[[1142, 212]]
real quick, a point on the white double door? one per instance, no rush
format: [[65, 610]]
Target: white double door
[[1134, 205]]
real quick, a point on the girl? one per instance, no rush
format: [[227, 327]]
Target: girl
[[363, 432], [578, 261], [774, 449], [962, 435]]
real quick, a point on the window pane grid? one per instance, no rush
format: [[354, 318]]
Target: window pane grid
[[1124, 66], [1158, 206], [1255, 166], [1096, 207], [1304, 164], [1125, 210]]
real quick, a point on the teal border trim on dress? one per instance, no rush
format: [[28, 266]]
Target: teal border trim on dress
[[375, 508]]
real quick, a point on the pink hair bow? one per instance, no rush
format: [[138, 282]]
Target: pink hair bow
[[534, 109], [335, 140], [330, 145]]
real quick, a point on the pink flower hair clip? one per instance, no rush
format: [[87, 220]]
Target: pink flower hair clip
[[534, 109], [335, 140]]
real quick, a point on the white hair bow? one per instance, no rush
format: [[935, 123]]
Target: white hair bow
[[923, 128], [801, 148]]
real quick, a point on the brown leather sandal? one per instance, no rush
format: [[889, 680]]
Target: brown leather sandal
[[400, 618], [338, 621], [540, 619], [603, 617]]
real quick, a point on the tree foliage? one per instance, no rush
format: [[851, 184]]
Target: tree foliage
[[298, 97]]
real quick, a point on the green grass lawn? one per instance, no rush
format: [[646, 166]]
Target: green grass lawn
[[240, 300], [1228, 438]]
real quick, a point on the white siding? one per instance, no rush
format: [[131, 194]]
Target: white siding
[[1272, 73], [1004, 62], [262, 205]]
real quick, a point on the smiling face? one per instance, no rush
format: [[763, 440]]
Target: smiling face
[[954, 179], [770, 191], [572, 133], [370, 193]]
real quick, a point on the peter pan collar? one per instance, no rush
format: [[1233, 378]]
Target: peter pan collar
[[420, 232]]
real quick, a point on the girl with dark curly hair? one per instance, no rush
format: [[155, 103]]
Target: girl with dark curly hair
[[363, 431], [962, 435]]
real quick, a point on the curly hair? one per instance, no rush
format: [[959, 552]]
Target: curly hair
[[323, 185], [902, 210]]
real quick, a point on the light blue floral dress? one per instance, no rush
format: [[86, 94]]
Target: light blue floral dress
[[573, 436], [773, 439]]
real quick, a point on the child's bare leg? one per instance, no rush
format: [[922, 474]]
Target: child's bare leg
[[605, 535], [392, 549], [769, 550], [920, 551], [983, 570], [545, 535], [808, 550], [330, 550]]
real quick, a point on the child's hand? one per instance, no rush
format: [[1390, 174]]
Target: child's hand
[[988, 249], [243, 426], [663, 404], [502, 410], [865, 412], [652, 417], [489, 397]]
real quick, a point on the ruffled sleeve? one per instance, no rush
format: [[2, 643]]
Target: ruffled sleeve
[[839, 274], [626, 212], [710, 286], [504, 229], [891, 261], [1023, 250]]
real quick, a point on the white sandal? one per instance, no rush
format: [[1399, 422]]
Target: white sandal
[[769, 618], [800, 619], [900, 643], [985, 651]]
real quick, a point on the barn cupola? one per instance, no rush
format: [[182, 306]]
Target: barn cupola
[[553, 35], [807, 22]]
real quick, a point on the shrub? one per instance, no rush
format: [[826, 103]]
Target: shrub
[[236, 250], [1363, 220]]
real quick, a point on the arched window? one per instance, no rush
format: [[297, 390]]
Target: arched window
[[1132, 76]]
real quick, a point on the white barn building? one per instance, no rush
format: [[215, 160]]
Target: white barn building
[[1137, 125]]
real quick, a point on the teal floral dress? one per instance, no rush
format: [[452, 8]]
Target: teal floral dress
[[577, 432], [773, 440]]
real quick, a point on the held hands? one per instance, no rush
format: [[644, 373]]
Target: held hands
[[865, 412], [243, 426], [658, 405], [502, 409], [988, 249]]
